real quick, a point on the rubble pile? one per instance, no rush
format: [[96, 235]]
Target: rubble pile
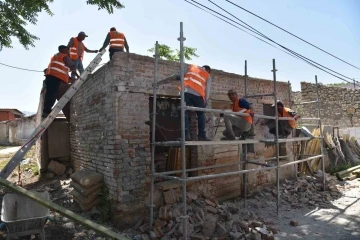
[[87, 186], [206, 220]]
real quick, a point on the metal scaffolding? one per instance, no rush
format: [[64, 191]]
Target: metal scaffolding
[[243, 161]]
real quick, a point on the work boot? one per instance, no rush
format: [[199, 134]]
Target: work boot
[[244, 135], [203, 139], [227, 138]]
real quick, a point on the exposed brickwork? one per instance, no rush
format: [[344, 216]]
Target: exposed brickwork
[[339, 106], [109, 134]]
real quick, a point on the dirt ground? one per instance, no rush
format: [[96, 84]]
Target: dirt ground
[[337, 220]]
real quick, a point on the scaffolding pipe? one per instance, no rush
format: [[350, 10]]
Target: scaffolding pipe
[[303, 103], [300, 161], [292, 133], [321, 134], [153, 139], [276, 140], [244, 151], [159, 175], [261, 95], [183, 156]]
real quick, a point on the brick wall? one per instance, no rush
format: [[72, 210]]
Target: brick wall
[[6, 115], [109, 134], [339, 106]]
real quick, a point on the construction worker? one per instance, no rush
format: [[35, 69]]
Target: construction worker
[[117, 42], [77, 49], [285, 126], [237, 126], [56, 74]]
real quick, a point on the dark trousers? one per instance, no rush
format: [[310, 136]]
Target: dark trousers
[[284, 127], [195, 101], [52, 86], [112, 51]]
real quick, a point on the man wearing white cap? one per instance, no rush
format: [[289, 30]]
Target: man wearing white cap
[[77, 49]]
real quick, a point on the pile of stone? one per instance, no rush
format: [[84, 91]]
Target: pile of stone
[[206, 219], [307, 190], [87, 187]]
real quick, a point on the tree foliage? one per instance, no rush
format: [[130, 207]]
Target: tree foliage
[[165, 52], [16, 14]]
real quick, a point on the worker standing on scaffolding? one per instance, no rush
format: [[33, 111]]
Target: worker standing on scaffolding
[[237, 126], [197, 83], [285, 126]]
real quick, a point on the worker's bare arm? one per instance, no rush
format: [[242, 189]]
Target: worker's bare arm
[[90, 51]]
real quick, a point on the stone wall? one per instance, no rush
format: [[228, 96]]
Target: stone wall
[[339, 106], [109, 134]]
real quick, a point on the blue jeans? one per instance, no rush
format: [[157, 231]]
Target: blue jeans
[[79, 66], [195, 101]]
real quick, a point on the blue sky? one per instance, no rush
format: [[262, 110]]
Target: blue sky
[[331, 25]]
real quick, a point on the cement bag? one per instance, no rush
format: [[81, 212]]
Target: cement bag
[[84, 200], [87, 178], [85, 191], [87, 206]]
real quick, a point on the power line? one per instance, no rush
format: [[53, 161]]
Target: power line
[[294, 54], [264, 36], [24, 69], [292, 34]]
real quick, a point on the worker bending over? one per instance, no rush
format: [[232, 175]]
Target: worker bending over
[[237, 126], [197, 83], [285, 126], [77, 49], [117, 42], [56, 74]]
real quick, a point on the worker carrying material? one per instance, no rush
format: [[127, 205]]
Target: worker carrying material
[[285, 126], [56, 74], [77, 49], [117, 41], [237, 126]]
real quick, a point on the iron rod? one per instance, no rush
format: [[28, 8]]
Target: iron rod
[[153, 139], [276, 139], [183, 156], [303, 103], [321, 134], [309, 118], [300, 161]]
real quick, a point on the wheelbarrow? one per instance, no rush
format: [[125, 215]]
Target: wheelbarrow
[[22, 216]]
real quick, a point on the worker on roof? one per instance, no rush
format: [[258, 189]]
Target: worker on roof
[[237, 126], [56, 74], [77, 49], [285, 126], [117, 41]]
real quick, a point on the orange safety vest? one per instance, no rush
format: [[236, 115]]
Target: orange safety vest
[[57, 67], [292, 123], [236, 108], [117, 39], [74, 50], [196, 79]]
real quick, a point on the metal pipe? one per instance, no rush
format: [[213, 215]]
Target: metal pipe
[[183, 158], [232, 113], [159, 175], [257, 163], [300, 161], [153, 139], [276, 140], [309, 118], [246, 76], [245, 175], [293, 143], [214, 166], [321, 133], [303, 103], [217, 175], [260, 95]]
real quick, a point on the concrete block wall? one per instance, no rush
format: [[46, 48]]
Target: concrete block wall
[[339, 106], [109, 134]]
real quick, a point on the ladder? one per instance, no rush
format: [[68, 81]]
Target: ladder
[[19, 155]]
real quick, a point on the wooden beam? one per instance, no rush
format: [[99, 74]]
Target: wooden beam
[[63, 211]]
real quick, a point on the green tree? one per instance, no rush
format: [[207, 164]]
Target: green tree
[[16, 14], [165, 52]]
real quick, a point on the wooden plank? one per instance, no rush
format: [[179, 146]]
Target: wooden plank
[[63, 211]]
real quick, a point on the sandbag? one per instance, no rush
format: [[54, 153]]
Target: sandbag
[[85, 191], [84, 200], [87, 178]]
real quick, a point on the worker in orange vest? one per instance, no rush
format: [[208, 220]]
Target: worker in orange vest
[[57, 73], [117, 41], [237, 126], [285, 126], [77, 49]]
